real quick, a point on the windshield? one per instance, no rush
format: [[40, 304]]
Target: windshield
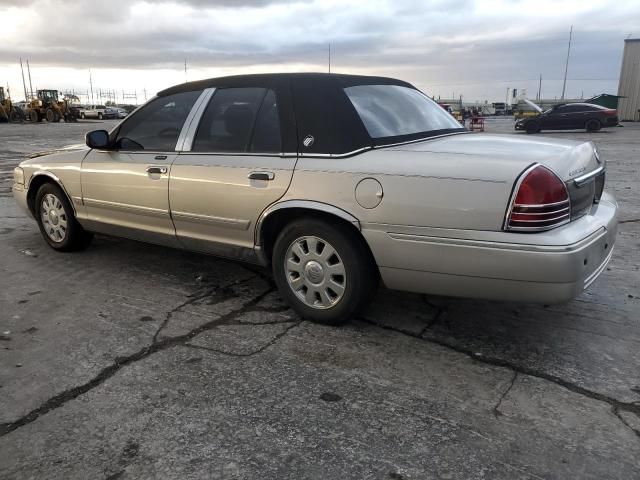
[[393, 110]]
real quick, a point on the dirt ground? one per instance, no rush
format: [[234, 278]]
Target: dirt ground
[[134, 361]]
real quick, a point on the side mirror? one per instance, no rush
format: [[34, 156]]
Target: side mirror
[[97, 139]]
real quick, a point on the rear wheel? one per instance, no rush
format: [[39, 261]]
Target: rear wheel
[[593, 125], [33, 116], [57, 223], [532, 127], [323, 270], [14, 116], [50, 115]]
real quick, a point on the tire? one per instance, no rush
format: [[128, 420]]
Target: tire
[[50, 115], [532, 127], [33, 116], [56, 117], [57, 223], [593, 125], [305, 285], [14, 117]]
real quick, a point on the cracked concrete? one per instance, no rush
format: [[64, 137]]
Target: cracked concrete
[[130, 361]]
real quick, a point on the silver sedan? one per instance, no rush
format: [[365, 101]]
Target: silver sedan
[[336, 182]]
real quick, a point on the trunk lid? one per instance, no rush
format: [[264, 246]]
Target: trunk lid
[[576, 163]]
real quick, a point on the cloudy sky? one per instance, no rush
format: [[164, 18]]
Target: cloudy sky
[[474, 48]]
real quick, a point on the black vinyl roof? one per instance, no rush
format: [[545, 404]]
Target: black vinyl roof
[[273, 78], [314, 105]]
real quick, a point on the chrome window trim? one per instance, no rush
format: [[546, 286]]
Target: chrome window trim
[[582, 179], [243, 154], [188, 132]]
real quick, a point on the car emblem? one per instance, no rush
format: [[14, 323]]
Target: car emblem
[[308, 140]]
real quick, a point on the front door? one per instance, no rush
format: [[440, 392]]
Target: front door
[[125, 189], [235, 168]]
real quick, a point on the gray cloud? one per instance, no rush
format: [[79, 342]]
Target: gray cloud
[[435, 43]]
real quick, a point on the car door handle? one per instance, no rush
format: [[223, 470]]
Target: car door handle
[[160, 170], [261, 176], [160, 157]]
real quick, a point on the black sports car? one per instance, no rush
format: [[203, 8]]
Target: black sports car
[[570, 116]]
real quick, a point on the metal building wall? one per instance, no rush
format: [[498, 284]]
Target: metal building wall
[[629, 86]]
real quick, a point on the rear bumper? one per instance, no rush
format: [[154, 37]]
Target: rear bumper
[[552, 267]]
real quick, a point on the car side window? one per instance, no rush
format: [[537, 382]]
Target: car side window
[[239, 120], [157, 125], [266, 133]]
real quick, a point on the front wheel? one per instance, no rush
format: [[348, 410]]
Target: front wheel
[[593, 125], [57, 223], [532, 127], [323, 270]]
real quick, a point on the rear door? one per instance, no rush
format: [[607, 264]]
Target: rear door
[[235, 166], [125, 190]]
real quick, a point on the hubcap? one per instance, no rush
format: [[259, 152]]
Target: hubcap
[[54, 218], [315, 272]]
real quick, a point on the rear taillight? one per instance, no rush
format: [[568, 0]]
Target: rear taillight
[[540, 202], [610, 112]]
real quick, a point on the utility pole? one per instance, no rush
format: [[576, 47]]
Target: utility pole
[[539, 88], [566, 66], [185, 70], [91, 86], [24, 84], [329, 57], [30, 85]]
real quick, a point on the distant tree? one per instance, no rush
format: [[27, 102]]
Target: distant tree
[[109, 103]]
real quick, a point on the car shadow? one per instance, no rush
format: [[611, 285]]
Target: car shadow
[[547, 341]]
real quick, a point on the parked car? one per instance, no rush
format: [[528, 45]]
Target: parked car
[[98, 111], [121, 112], [335, 182], [570, 116]]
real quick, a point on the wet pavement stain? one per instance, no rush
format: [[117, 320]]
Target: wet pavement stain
[[330, 397]]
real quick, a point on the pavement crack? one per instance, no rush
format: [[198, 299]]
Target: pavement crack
[[193, 298], [617, 405], [616, 412], [106, 373], [496, 410], [248, 354], [632, 220], [441, 313]]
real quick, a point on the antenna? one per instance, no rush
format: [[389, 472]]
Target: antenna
[[91, 86], [539, 88], [566, 67]]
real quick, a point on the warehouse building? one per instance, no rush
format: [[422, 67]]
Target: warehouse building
[[629, 86]]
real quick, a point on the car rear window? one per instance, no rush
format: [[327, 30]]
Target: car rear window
[[394, 110]]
